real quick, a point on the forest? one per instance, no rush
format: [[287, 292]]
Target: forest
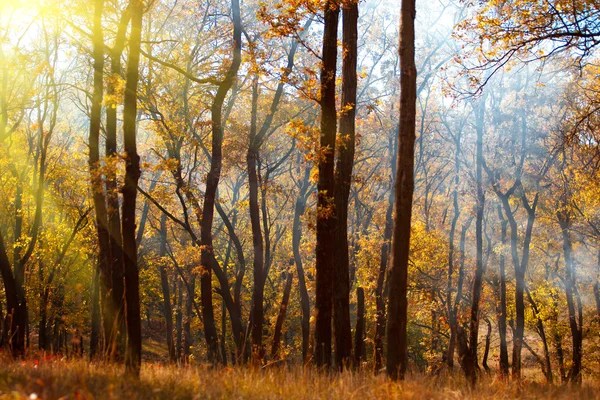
[[299, 199]]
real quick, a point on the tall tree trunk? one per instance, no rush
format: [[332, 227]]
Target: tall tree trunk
[[501, 308], [95, 314], [470, 363], [179, 321], [14, 324], [299, 209], [397, 358], [109, 307], [520, 269], [188, 315], [343, 181], [281, 316], [116, 342], [547, 365], [451, 314], [132, 174], [164, 280], [258, 351], [325, 187], [212, 183], [359, 332], [486, 352], [384, 255], [564, 220]]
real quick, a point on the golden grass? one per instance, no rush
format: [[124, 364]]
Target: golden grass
[[63, 379]]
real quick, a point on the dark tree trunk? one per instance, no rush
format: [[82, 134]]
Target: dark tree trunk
[[296, 238], [109, 307], [117, 338], [359, 332], [325, 187], [501, 308], [95, 313], [575, 315], [343, 181], [258, 351], [488, 338], [43, 322], [451, 313], [520, 280], [179, 321], [212, 182], [546, 364], [14, 324], [133, 352], [187, 317], [281, 316], [384, 255], [470, 362], [164, 280], [397, 358]]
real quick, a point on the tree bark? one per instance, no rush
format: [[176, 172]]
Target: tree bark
[[258, 351], [470, 363], [117, 338], [397, 358], [575, 316], [343, 181], [325, 187], [212, 182], [384, 256], [95, 314], [546, 364], [501, 308], [164, 280], [109, 307], [299, 209], [133, 352], [359, 331], [281, 316]]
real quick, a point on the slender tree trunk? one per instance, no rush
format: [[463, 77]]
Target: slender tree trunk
[[187, 317], [299, 209], [343, 181], [449, 288], [109, 307], [397, 358], [132, 174], [501, 308], [325, 186], [488, 338], [384, 255], [14, 322], [116, 343], [258, 351], [470, 363], [546, 364], [281, 316], [212, 182], [179, 321], [570, 290], [359, 332], [164, 280], [95, 314]]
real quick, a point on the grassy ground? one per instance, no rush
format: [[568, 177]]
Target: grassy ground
[[61, 379]]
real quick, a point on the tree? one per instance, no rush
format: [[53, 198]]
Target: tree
[[212, 182], [343, 180], [397, 315], [133, 356], [325, 187]]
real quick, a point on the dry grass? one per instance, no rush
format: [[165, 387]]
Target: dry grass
[[61, 379]]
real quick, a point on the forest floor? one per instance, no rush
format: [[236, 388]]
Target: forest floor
[[77, 379]]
